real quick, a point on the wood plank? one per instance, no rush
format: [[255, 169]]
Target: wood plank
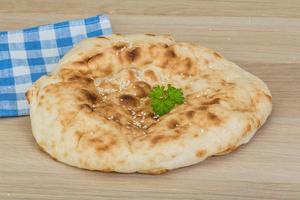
[[239, 38], [263, 8]]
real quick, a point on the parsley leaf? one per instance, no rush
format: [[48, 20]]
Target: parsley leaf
[[163, 100]]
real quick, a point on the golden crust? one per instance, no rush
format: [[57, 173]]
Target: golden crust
[[94, 113]]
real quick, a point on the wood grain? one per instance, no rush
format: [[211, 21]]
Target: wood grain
[[261, 36]]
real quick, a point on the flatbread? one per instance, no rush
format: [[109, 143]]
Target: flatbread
[[93, 112]]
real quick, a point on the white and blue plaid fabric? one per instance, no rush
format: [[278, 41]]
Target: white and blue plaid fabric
[[26, 55]]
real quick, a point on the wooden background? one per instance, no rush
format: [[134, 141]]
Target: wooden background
[[262, 36]]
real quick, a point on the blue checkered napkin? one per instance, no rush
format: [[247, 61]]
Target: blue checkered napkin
[[26, 55]]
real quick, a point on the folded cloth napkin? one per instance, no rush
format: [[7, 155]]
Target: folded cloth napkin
[[26, 55]]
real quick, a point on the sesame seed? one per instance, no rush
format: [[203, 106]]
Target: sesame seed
[[143, 113], [138, 124], [155, 116], [110, 117]]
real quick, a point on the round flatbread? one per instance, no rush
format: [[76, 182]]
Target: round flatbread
[[93, 111]]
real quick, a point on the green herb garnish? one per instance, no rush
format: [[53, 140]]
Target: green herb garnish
[[163, 100]]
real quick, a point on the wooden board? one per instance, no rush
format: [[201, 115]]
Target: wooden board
[[262, 36]]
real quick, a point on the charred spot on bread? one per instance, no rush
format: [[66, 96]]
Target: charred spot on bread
[[128, 100], [190, 114], [133, 54], [142, 88], [173, 124]]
